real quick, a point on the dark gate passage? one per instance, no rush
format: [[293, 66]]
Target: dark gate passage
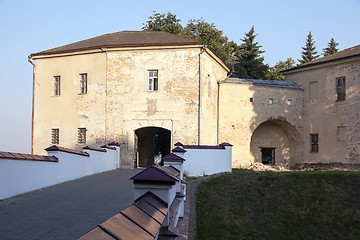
[[149, 143], [268, 156]]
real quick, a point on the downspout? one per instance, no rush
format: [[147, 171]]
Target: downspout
[[32, 111], [218, 114], [203, 49]]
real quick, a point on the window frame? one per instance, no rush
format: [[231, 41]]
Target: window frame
[[83, 83], [314, 142], [153, 81], [81, 139], [55, 136], [57, 86], [340, 89]]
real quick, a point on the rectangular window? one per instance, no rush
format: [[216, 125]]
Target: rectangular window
[[340, 89], [81, 135], [313, 91], [57, 86], [271, 101], [314, 142], [289, 102], [83, 83], [55, 136], [153, 80]]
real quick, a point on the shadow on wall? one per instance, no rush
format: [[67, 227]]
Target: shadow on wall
[[276, 123]]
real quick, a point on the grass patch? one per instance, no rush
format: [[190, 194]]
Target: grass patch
[[273, 205]]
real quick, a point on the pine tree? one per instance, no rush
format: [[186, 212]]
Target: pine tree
[[309, 54], [249, 63], [331, 48]]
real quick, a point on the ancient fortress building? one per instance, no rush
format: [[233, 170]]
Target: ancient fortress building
[[149, 90]]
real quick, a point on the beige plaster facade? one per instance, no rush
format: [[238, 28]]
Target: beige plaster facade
[[337, 123], [194, 103], [118, 101], [250, 122]]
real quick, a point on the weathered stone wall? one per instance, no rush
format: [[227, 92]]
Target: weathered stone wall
[[70, 110], [130, 105], [323, 114], [212, 72], [239, 118]]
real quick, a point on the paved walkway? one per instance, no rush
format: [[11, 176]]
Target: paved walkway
[[67, 210]]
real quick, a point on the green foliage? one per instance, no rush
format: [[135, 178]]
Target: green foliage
[[274, 72], [309, 52], [331, 48], [249, 64], [161, 22], [212, 37], [271, 205]]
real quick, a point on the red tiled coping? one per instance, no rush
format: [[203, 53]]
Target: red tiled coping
[[114, 144], [108, 147], [156, 174], [173, 157], [27, 157], [62, 149], [178, 149], [94, 148], [220, 146], [141, 221]]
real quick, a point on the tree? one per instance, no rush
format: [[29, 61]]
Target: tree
[[161, 22], [212, 37], [309, 52], [331, 48], [274, 72], [249, 64]]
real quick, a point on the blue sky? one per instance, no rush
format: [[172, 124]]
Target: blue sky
[[31, 26]]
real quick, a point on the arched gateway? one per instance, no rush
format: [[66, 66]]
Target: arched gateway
[[276, 141], [150, 144]]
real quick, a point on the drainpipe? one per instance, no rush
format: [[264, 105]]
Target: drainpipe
[[203, 49], [32, 111]]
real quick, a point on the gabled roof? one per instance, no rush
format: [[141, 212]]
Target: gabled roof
[[141, 221], [178, 149], [344, 54], [123, 39], [172, 157], [155, 174]]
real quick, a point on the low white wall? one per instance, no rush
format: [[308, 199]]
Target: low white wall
[[20, 176], [200, 162]]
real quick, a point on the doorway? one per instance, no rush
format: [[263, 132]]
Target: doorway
[[268, 156], [151, 143]]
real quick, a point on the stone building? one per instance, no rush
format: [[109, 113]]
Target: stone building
[[331, 106], [149, 90]]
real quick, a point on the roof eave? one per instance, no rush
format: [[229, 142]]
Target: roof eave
[[45, 53], [309, 65]]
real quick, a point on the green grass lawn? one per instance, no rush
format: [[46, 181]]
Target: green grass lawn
[[279, 205]]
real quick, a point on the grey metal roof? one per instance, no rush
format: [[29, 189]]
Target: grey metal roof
[[264, 82]]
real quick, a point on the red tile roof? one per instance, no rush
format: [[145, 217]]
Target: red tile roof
[[348, 53], [27, 157], [68, 150], [123, 39]]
